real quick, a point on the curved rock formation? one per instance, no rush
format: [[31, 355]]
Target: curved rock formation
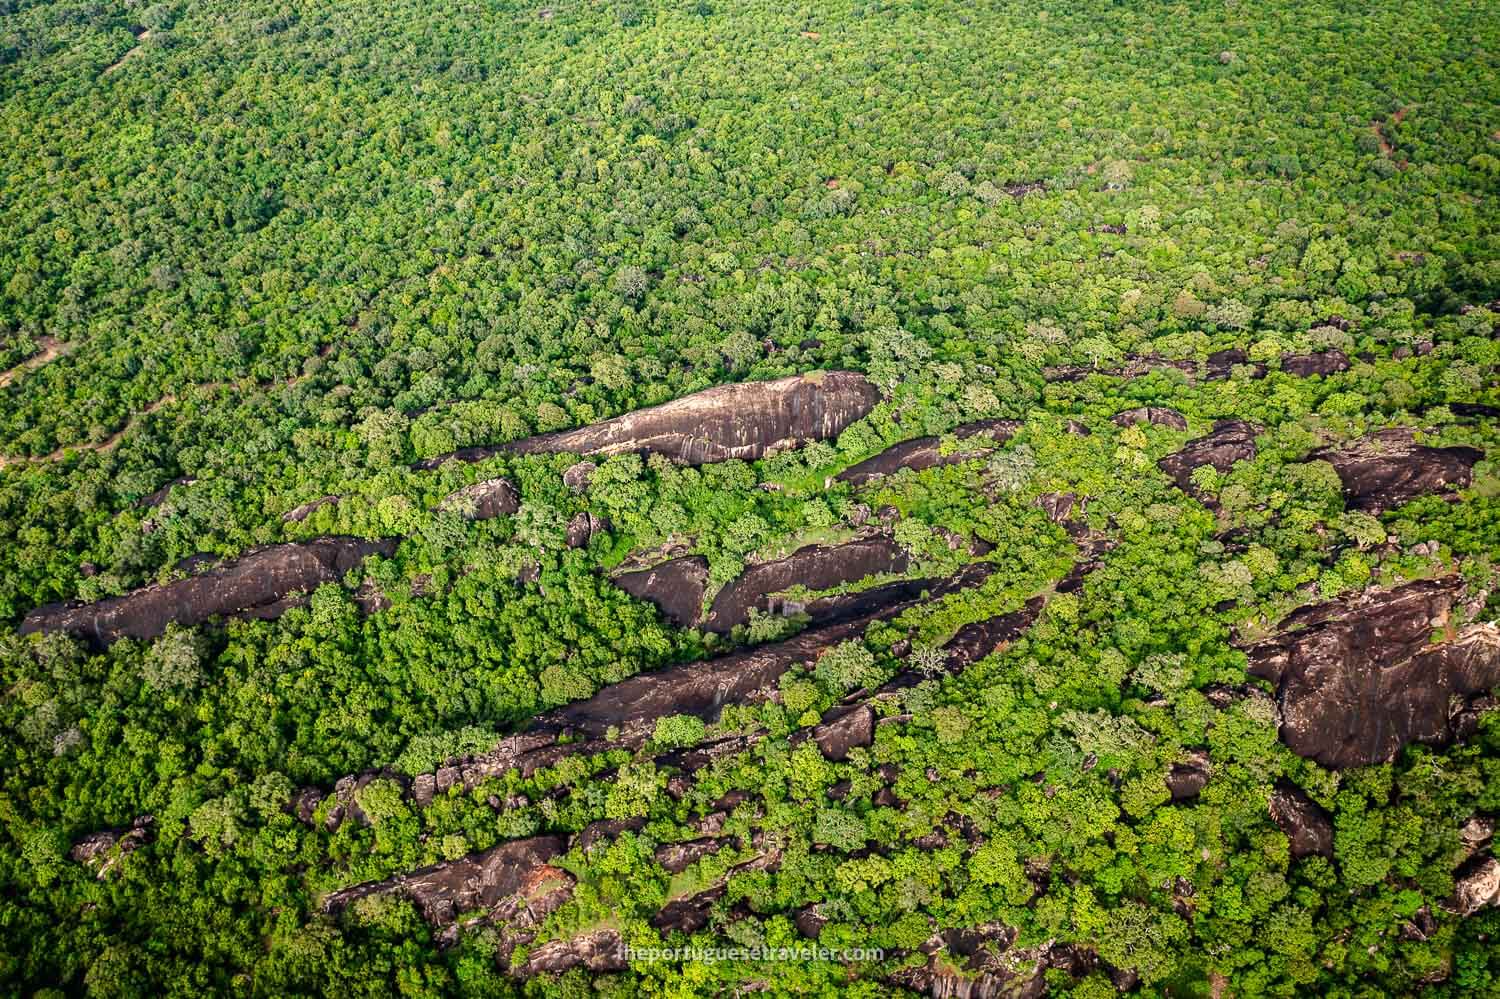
[[1387, 468], [815, 567], [298, 514], [1358, 678], [675, 586], [1230, 441], [260, 583], [484, 500], [746, 420], [1157, 416], [926, 452]]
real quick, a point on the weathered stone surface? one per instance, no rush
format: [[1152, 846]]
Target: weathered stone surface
[[1358, 678], [1157, 416], [298, 514], [1329, 362], [747, 421], [1477, 886], [578, 476], [675, 586], [691, 914], [1188, 777], [1059, 506], [977, 963], [816, 567], [843, 729], [974, 641], [703, 688], [259, 580], [678, 857], [484, 500], [1302, 820], [479, 881], [1221, 364], [926, 452], [1229, 442], [103, 850], [583, 527], [601, 951], [1388, 468]]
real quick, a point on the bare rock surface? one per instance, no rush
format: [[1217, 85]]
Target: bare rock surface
[[843, 729], [1229, 442], [479, 881], [747, 420], [1477, 886], [262, 579], [1188, 777], [1156, 416], [816, 567], [675, 586], [484, 500], [977, 963], [1329, 362], [703, 688], [102, 850], [583, 527], [678, 857], [1387, 468], [1302, 820], [298, 514], [599, 952], [926, 452], [1358, 678], [579, 475]]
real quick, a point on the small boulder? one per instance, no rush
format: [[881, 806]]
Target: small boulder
[[1302, 820]]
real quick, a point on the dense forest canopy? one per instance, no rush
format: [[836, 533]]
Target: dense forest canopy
[[1065, 559]]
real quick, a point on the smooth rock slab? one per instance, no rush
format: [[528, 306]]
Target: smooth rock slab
[[745, 421], [258, 584], [1358, 678]]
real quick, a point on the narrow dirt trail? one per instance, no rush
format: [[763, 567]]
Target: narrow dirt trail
[[52, 349]]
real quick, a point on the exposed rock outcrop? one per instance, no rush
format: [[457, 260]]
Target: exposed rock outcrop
[[298, 514], [747, 421], [1156, 416], [1358, 678], [479, 881], [927, 452], [1302, 820], [103, 850], [1329, 362], [675, 586], [843, 729], [583, 527], [1387, 468], [1189, 776], [579, 475], [262, 583], [1477, 886], [484, 500], [599, 952], [977, 963], [816, 567], [1229, 442]]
